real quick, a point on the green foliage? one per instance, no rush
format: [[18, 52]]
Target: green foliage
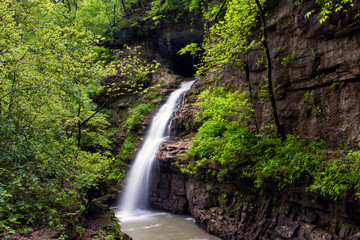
[[230, 37], [192, 48], [50, 67], [134, 123], [50, 182], [231, 147], [223, 104], [98, 16], [220, 143], [223, 145], [223, 137], [308, 101], [233, 35], [104, 55], [284, 161], [286, 60], [110, 230], [340, 176], [133, 73], [162, 10], [337, 85], [97, 133], [329, 7], [129, 146], [136, 69], [136, 119]]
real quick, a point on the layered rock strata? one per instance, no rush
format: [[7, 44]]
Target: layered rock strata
[[317, 77], [316, 71], [235, 209]]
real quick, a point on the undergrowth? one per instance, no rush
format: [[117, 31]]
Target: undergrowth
[[223, 145], [51, 186], [339, 176], [134, 125]]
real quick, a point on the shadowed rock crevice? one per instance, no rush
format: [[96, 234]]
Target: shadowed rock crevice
[[170, 43]]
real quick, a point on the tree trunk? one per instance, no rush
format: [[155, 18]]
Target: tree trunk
[[123, 4], [79, 126], [247, 71], [279, 129]]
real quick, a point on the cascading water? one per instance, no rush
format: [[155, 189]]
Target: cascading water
[[136, 192], [142, 224]]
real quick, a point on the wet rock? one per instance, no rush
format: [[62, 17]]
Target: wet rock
[[320, 235], [287, 231], [126, 236], [168, 187]]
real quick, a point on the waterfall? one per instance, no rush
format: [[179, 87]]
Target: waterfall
[[136, 192]]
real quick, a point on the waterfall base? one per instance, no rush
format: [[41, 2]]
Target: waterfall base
[[141, 224]]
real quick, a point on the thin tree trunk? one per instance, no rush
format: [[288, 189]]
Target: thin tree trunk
[[12, 97], [79, 126], [279, 129], [114, 20], [102, 105], [247, 70], [76, 5], [123, 4]]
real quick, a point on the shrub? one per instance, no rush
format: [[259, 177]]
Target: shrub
[[224, 144], [339, 176], [134, 122]]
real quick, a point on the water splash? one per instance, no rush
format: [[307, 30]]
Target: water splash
[[136, 191]]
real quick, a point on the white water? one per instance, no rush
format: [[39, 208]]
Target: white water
[[136, 191], [143, 224]]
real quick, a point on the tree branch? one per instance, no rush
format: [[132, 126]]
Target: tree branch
[[102, 105], [218, 12]]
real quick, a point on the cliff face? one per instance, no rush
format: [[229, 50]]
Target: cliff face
[[235, 209], [317, 73]]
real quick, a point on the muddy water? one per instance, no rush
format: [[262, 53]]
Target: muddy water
[[150, 225]]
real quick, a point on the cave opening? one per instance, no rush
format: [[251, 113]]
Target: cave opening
[[170, 43]]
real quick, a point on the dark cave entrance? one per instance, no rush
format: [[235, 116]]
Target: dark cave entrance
[[169, 45]]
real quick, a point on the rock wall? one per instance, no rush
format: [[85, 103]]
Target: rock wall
[[317, 73], [235, 209]]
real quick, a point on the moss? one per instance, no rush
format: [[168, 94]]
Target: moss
[[104, 226]]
